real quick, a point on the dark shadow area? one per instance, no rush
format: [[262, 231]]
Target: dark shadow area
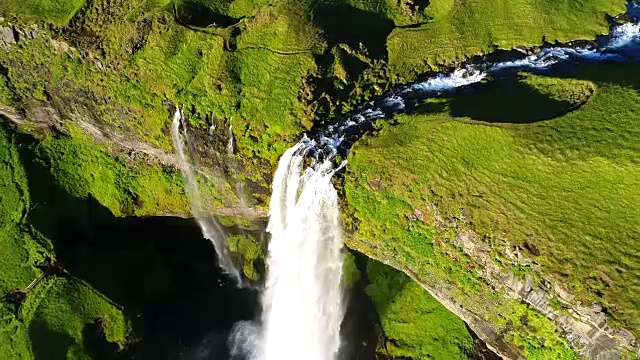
[[345, 24], [96, 343], [417, 5], [506, 99], [48, 344], [423, 106], [480, 351], [160, 270], [361, 327], [353, 66], [193, 13]]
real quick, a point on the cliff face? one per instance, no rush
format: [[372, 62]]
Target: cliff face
[[100, 80]]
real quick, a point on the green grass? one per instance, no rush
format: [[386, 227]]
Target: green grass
[[6, 95], [20, 251], [51, 321], [534, 335], [415, 324], [83, 169], [148, 59], [247, 251], [14, 336], [58, 12], [256, 88], [460, 29], [516, 181], [350, 272], [64, 308], [567, 186]]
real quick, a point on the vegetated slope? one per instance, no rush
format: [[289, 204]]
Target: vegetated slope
[[415, 324], [58, 12], [57, 310], [85, 170], [458, 29], [561, 192], [118, 65], [268, 69], [81, 280]]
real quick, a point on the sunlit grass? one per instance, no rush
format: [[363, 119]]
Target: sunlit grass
[[568, 186], [460, 29], [58, 12]]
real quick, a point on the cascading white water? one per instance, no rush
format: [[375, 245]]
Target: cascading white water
[[210, 227], [302, 301], [230, 142]]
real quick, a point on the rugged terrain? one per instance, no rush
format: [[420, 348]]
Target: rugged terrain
[[511, 202]]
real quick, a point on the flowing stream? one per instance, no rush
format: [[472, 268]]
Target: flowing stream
[[302, 301], [623, 44]]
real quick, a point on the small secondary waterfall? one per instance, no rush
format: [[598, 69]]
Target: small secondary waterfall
[[211, 229], [230, 142], [302, 301]]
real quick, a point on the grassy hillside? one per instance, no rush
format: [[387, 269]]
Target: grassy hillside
[[53, 320], [548, 163], [83, 169], [58, 12], [457, 30], [21, 250], [563, 189]]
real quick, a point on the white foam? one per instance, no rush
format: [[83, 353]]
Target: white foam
[[444, 82], [624, 35]]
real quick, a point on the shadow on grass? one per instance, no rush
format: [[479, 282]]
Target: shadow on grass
[[607, 128], [346, 24], [385, 284], [96, 343], [193, 13], [160, 270], [48, 344], [507, 100]]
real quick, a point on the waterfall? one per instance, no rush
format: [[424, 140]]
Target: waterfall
[[302, 300], [211, 229], [230, 142]]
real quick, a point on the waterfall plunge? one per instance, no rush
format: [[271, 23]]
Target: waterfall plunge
[[302, 301], [210, 227]]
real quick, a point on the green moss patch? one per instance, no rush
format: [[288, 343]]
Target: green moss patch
[[20, 250], [56, 313], [415, 324], [83, 169], [58, 12], [248, 252]]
